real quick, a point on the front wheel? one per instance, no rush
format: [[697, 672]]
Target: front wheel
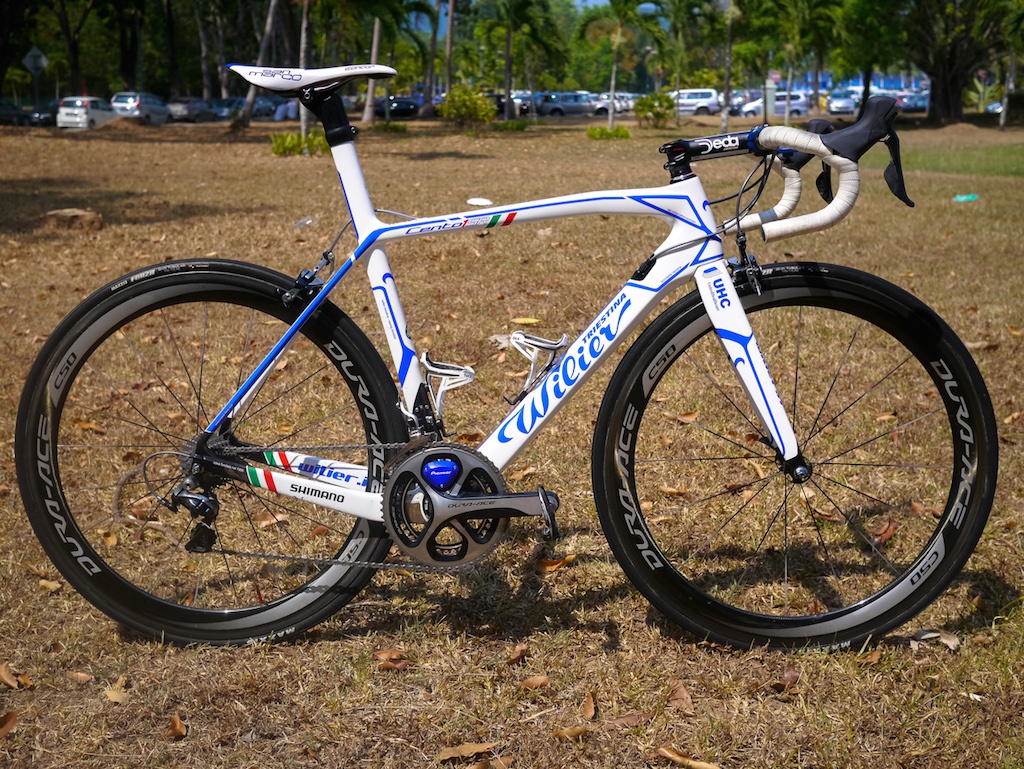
[[891, 415], [117, 396]]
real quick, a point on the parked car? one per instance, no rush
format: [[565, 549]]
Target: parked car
[[521, 108], [45, 115], [916, 103], [740, 99], [798, 105], [225, 107], [697, 101], [263, 107], [84, 112], [398, 108], [191, 109], [841, 101], [143, 106], [559, 103], [12, 114], [603, 102]]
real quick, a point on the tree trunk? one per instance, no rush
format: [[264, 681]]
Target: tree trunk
[[371, 84], [867, 91], [727, 91], [509, 104], [429, 81], [173, 65], [1006, 91], [449, 28], [73, 39], [204, 53], [261, 57], [303, 63]]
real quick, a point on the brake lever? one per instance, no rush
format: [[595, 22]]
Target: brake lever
[[894, 171]]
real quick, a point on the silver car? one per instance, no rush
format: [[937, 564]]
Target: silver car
[[842, 101], [145, 106], [558, 103]]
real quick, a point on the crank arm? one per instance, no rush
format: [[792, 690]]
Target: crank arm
[[531, 503]]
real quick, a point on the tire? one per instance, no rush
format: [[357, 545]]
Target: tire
[[702, 111], [116, 392], [892, 416], [556, 113]]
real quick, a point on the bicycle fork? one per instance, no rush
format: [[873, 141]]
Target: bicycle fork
[[730, 321]]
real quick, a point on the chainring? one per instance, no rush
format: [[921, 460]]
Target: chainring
[[427, 479]]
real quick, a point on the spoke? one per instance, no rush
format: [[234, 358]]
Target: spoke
[[147, 363], [714, 383], [859, 398], [869, 541], [705, 545], [835, 378], [699, 425], [885, 434], [184, 366]]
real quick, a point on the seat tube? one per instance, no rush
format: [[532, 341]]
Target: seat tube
[[353, 185], [737, 338]]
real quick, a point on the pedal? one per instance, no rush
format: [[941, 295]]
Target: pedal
[[442, 377], [549, 505], [541, 353]]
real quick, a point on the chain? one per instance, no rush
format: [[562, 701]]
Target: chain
[[225, 449]]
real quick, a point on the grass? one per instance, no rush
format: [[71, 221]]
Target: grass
[[194, 191]]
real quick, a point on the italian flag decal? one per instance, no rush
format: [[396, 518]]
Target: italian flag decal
[[261, 479], [502, 220]]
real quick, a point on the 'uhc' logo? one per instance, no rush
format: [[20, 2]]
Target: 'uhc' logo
[[720, 293]]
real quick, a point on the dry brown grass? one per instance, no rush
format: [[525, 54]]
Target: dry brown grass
[[180, 192]]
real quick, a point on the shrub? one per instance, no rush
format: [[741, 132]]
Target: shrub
[[467, 108], [654, 110], [600, 132], [294, 144], [394, 128]]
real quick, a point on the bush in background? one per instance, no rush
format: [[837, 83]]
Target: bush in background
[[467, 108], [600, 132], [654, 110]]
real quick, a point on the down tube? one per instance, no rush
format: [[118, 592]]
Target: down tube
[[581, 359]]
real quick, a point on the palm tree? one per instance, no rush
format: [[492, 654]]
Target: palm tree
[[533, 19], [621, 15]]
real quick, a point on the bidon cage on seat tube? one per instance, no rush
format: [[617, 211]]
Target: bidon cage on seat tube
[[741, 473]]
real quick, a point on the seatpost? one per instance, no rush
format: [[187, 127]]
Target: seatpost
[[330, 111]]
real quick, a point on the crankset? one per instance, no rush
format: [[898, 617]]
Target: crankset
[[446, 504]]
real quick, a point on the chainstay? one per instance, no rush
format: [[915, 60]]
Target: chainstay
[[340, 447]]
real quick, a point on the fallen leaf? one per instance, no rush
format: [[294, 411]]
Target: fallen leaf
[[881, 529], [789, 680], [389, 654], [497, 762], [673, 491], [589, 707], [466, 750], [310, 753], [678, 758], [525, 321], [85, 424], [545, 566], [50, 585], [109, 538], [518, 475], [982, 345], [7, 722], [679, 698], [319, 531], [267, 518], [949, 640], [631, 720], [80, 678], [534, 682], [177, 730], [572, 733], [7, 677], [117, 693], [25, 682], [518, 655], [870, 658], [688, 418]]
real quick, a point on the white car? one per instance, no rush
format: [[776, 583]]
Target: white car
[[144, 106], [83, 112], [697, 101], [798, 105]]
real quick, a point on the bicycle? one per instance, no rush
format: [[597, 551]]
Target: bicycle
[[211, 451]]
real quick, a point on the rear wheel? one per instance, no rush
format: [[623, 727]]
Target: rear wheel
[[892, 417], [107, 415]]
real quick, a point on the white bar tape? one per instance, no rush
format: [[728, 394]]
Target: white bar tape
[[790, 197], [848, 187]]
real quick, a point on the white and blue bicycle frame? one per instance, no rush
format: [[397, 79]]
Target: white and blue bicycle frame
[[692, 251]]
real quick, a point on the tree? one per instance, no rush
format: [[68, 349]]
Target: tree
[[71, 21], [871, 35], [532, 19], [949, 41], [621, 15], [15, 16]]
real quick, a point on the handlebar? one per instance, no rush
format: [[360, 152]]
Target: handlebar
[[840, 150]]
